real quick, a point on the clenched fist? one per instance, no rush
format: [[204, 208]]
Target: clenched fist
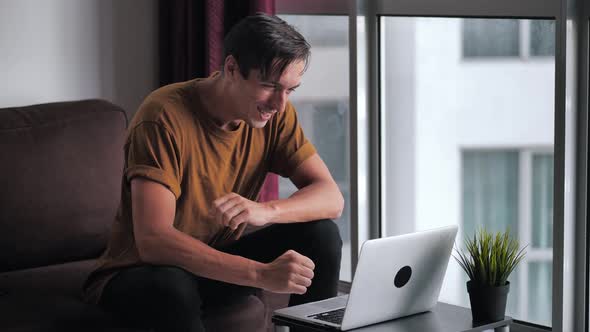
[[290, 273]]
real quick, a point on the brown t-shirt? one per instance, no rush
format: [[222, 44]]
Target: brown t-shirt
[[172, 140]]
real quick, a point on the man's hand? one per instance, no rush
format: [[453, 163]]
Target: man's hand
[[232, 210], [291, 273]]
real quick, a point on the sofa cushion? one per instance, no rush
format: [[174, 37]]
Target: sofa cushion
[[45, 312], [60, 173], [48, 299], [64, 279], [244, 314]]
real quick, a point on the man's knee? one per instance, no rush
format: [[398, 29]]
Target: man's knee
[[326, 234], [175, 288], [162, 297]]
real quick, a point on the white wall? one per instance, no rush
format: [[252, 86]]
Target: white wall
[[57, 50]]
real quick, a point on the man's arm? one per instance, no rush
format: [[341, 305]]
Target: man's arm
[[158, 242], [318, 197]]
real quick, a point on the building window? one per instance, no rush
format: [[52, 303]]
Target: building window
[[508, 38], [490, 38], [513, 189], [542, 38]]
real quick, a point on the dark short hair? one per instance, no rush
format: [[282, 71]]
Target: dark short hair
[[266, 43]]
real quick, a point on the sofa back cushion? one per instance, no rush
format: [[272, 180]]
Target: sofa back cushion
[[60, 173]]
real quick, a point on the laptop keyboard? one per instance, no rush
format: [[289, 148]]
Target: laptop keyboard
[[334, 316]]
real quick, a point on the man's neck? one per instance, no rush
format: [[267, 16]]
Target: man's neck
[[217, 105]]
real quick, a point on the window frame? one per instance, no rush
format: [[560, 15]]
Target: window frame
[[570, 250], [330, 8], [584, 67], [364, 183], [570, 143]]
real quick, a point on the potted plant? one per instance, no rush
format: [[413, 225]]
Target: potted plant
[[488, 260]]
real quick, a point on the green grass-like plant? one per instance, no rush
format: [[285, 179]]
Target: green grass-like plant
[[490, 258]]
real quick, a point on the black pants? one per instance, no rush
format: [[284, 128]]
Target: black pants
[[168, 298]]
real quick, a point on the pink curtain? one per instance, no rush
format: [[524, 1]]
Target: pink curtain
[[191, 44]]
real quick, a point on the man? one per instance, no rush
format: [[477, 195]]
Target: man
[[197, 154]]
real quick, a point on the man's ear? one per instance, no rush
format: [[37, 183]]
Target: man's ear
[[230, 67]]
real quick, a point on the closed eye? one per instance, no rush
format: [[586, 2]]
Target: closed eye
[[278, 87], [268, 85]]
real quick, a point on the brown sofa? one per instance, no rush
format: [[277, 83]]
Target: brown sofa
[[60, 173]]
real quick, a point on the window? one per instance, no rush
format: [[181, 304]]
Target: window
[[508, 38], [332, 33], [513, 189], [323, 108], [542, 38], [438, 90], [459, 146], [485, 37]]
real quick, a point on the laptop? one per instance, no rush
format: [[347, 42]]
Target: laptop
[[395, 277]]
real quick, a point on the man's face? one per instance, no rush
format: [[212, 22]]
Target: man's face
[[259, 100]]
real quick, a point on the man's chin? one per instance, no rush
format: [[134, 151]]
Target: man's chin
[[258, 124]]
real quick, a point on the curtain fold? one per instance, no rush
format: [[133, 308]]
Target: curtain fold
[[181, 34], [191, 36]]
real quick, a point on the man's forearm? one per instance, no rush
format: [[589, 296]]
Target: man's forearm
[[172, 247], [319, 200]]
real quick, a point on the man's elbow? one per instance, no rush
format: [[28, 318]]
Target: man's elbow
[[147, 249], [338, 206]]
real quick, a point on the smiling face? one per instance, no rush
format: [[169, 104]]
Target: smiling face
[[257, 100]]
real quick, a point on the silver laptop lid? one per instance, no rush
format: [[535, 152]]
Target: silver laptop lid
[[398, 276]]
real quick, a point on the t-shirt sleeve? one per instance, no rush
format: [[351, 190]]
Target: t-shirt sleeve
[[292, 147], [153, 153]]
